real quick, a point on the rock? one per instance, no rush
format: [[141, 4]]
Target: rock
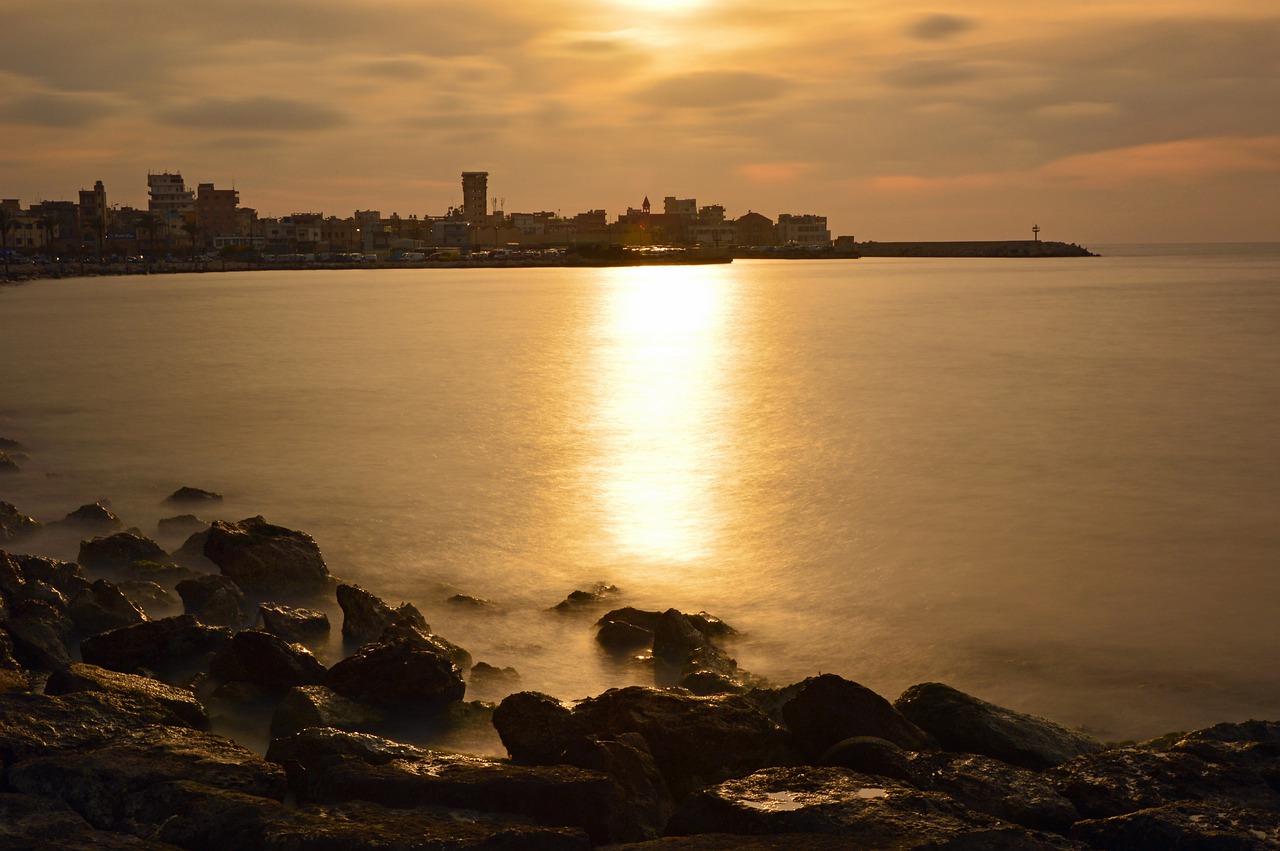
[[14, 525], [13, 579], [150, 597], [829, 708], [182, 524], [710, 682], [990, 786], [167, 573], [187, 495], [627, 760], [464, 601], [7, 464], [8, 444], [36, 822], [214, 600], [267, 661], [82, 677], [582, 600], [398, 676], [119, 551], [711, 626], [66, 576], [405, 631], [488, 676], [365, 616], [174, 646], [191, 553], [301, 626], [315, 746], [103, 607], [262, 558], [622, 637], [873, 812], [8, 662], [871, 755], [641, 618], [39, 724], [92, 518], [319, 706], [535, 728], [1185, 825], [693, 739], [111, 784], [44, 637], [681, 649], [969, 725]]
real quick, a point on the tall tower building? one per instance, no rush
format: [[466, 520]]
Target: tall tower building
[[475, 196]]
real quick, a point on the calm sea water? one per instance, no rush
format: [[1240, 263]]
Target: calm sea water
[[1054, 484]]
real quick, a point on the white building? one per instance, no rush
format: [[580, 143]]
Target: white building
[[803, 230]]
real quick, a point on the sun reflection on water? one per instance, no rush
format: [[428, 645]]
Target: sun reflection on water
[[661, 407]]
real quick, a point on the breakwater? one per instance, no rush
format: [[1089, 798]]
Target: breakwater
[[995, 248]]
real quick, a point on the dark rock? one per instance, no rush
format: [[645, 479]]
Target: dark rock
[[627, 760], [827, 709], [535, 728], [92, 518], [103, 607], [622, 637], [14, 525], [150, 597], [969, 725], [191, 553], [408, 632], [489, 676], [182, 524], [874, 812], [319, 706], [67, 577], [119, 551], [301, 626], [44, 636], [314, 747], [710, 682], [267, 661], [39, 724], [578, 601], [365, 616], [693, 739], [35, 822], [214, 600], [260, 557], [987, 785], [641, 618], [174, 646], [7, 464], [81, 677], [186, 495], [711, 626], [45, 593], [400, 676], [8, 444], [8, 661], [681, 649], [110, 784], [464, 601], [13, 579], [1186, 825], [871, 755]]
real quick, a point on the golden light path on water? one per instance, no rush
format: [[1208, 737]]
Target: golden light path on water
[[659, 410]]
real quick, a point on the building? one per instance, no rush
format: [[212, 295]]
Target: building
[[803, 230], [683, 208], [756, 229], [216, 213], [475, 197], [93, 215]]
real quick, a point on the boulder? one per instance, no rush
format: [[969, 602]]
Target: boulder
[[398, 676], [710, 682], [300, 626], [43, 635], [13, 579], [267, 661], [182, 524], [150, 597], [314, 747], [191, 553], [190, 495], [827, 709], [81, 677], [1184, 825], [646, 620], [871, 755], [963, 723], [39, 724], [535, 728], [996, 788], [484, 675], [681, 649], [214, 599], [175, 646], [8, 444], [870, 812], [580, 600], [92, 518], [475, 604], [67, 577], [626, 758], [365, 616], [694, 740], [622, 637], [7, 464], [408, 632], [102, 607], [119, 551], [262, 558], [36, 822], [14, 525], [320, 706]]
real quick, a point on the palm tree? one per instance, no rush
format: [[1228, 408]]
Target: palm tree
[[148, 222], [99, 228], [49, 224], [192, 228]]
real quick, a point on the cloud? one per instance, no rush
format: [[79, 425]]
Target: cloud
[[939, 27], [929, 73], [395, 69], [249, 114], [52, 109], [774, 172], [714, 89]]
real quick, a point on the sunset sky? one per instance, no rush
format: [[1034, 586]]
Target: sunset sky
[[1100, 120]]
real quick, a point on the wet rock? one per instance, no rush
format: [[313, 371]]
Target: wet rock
[[66, 576], [580, 600], [693, 739], [44, 636], [267, 661], [12, 578], [14, 525], [365, 616], [399, 676], [191, 553], [8, 662], [102, 607], [150, 597], [641, 618], [408, 632], [1185, 825], [627, 759], [7, 464], [190, 495], [262, 558], [963, 723], [182, 524], [167, 574], [871, 755], [484, 675], [535, 728], [94, 518], [119, 551], [36, 822], [829, 708], [314, 747], [175, 646], [301, 626], [8, 444], [622, 637], [987, 785], [38, 724], [110, 785], [319, 706], [680, 649], [710, 682], [875, 812], [214, 600], [465, 601], [82, 677]]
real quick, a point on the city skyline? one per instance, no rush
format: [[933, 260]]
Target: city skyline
[[1101, 122]]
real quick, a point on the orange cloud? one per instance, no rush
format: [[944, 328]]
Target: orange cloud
[[774, 172]]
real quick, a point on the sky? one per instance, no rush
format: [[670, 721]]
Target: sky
[[1101, 121]]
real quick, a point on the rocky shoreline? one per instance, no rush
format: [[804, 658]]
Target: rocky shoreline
[[116, 668]]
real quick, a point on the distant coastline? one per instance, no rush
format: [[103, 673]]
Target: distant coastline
[[995, 248]]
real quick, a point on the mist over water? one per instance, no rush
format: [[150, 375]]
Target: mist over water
[[1051, 483]]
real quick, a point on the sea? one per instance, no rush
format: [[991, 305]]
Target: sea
[[1051, 483]]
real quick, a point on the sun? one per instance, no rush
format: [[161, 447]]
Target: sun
[[662, 7]]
